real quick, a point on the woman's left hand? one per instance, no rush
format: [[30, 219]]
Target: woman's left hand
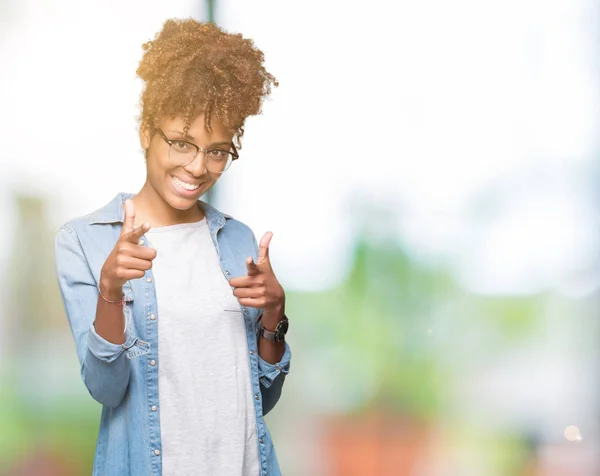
[[261, 288]]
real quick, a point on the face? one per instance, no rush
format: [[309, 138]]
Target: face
[[181, 186]]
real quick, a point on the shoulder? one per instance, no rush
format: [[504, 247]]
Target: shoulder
[[110, 213], [239, 234], [228, 224], [237, 226]]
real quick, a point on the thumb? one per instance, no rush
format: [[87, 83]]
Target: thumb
[[263, 247], [129, 221]]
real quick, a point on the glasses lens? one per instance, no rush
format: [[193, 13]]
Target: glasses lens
[[182, 152], [218, 161]]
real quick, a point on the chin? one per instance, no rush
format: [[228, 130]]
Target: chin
[[180, 203]]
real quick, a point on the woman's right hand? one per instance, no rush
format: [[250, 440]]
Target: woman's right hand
[[128, 259]]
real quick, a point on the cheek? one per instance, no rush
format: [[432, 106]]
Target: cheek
[[156, 167]]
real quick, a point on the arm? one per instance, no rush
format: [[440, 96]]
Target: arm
[[260, 289], [104, 366]]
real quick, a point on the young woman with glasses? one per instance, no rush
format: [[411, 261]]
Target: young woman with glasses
[[178, 318]]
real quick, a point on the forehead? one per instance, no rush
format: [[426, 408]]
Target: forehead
[[196, 131]]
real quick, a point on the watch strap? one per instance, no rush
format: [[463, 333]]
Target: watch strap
[[270, 336], [278, 334]]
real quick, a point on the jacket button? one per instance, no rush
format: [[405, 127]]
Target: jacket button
[[152, 317], [251, 352], [261, 441], [153, 408], [153, 363], [256, 396], [148, 280], [156, 452], [141, 242]]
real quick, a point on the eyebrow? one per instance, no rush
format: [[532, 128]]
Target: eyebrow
[[187, 137]]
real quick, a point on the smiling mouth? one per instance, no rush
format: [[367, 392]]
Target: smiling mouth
[[184, 185]]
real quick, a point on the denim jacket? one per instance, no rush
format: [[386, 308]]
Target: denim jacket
[[124, 377]]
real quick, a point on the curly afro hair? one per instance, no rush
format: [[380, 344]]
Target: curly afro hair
[[192, 68]]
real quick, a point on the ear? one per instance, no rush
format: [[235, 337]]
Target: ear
[[145, 137]]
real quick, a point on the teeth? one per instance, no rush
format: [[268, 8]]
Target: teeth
[[187, 186]]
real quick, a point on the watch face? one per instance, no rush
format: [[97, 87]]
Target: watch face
[[281, 330]]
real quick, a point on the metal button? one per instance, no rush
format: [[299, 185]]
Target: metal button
[[156, 452], [256, 396], [227, 272], [245, 309], [251, 352], [153, 363], [148, 280], [153, 408], [141, 242], [152, 317], [261, 441], [278, 367]]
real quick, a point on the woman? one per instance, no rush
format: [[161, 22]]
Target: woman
[[177, 315]]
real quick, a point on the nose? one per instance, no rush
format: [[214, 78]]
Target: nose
[[197, 167]]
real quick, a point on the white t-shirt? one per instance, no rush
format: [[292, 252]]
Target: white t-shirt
[[207, 417]]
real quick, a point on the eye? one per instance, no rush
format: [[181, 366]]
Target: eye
[[181, 146], [217, 154]]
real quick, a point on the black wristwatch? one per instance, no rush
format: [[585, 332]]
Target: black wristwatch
[[280, 331]]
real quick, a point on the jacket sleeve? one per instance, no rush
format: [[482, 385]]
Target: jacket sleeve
[[104, 366], [271, 378]]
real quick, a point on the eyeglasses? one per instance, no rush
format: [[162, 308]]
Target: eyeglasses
[[183, 153]]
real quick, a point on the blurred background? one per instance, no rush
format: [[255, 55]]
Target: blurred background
[[429, 170]]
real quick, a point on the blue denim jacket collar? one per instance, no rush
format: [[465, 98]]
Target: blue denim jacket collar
[[113, 212]]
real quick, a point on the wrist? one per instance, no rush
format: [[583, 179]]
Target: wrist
[[271, 317], [110, 291], [277, 333]]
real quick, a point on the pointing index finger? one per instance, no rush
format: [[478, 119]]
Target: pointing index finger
[[252, 268]]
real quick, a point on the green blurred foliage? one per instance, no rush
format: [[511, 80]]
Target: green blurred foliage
[[390, 326], [65, 427]]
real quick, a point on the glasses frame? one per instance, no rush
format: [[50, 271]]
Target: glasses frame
[[234, 153]]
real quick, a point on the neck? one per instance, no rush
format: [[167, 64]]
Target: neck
[[151, 207]]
